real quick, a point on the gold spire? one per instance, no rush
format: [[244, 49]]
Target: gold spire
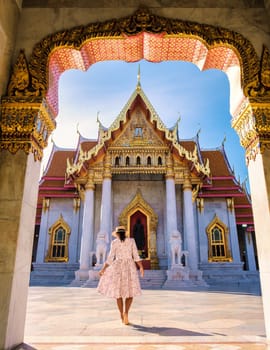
[[138, 87]]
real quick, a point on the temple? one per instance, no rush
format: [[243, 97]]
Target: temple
[[190, 217]]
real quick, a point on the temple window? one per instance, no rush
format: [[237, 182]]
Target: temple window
[[217, 241], [138, 160], [127, 161], [149, 160], [117, 162], [59, 236], [138, 132], [159, 160]]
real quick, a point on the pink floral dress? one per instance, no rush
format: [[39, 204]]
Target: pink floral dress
[[120, 279]]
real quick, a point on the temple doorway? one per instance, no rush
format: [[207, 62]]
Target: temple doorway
[[138, 225], [141, 222]]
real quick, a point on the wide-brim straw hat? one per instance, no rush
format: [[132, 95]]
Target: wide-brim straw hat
[[117, 229]]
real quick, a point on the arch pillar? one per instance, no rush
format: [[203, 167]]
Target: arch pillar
[[253, 127], [189, 223], [104, 237], [25, 127]]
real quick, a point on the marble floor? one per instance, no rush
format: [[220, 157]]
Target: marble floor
[[65, 318]]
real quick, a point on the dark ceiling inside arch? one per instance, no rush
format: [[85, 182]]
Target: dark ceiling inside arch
[[149, 3]]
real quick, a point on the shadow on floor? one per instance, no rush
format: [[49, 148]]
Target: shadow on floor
[[168, 331], [24, 346]]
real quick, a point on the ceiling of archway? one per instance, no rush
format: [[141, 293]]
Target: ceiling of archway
[[148, 46]]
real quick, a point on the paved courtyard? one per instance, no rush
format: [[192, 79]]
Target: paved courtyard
[[65, 318]]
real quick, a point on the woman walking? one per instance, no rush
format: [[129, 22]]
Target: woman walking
[[119, 277]]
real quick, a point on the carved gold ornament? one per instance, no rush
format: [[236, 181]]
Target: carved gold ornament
[[141, 21], [25, 127], [26, 119], [30, 80], [253, 128], [258, 90]]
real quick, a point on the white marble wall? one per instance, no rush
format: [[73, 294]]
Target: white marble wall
[[211, 208], [58, 206]]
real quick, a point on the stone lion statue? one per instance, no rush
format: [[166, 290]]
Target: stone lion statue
[[175, 245], [101, 250]]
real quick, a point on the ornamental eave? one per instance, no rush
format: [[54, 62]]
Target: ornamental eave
[[170, 135]]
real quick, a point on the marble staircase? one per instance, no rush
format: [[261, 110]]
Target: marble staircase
[[52, 274], [55, 274], [153, 279]]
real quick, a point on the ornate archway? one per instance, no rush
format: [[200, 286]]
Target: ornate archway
[[33, 86], [30, 105]]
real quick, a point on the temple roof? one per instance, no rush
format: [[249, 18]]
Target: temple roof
[[219, 180], [107, 135], [225, 185]]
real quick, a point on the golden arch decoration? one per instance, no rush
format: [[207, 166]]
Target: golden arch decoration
[[59, 238], [218, 248], [138, 203], [33, 86], [75, 42]]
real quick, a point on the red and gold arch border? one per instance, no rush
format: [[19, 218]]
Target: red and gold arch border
[[142, 35]]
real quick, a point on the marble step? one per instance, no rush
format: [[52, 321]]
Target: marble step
[[152, 279]]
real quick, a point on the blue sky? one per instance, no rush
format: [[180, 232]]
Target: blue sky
[[174, 88]]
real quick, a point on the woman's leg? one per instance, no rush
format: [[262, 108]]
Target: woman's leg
[[128, 303], [120, 305]]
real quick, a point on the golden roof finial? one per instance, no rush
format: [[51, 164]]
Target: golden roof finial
[[224, 140], [98, 121], [138, 87]]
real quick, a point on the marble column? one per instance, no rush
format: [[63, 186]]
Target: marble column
[[171, 211], [233, 232], [104, 234], [74, 237], [106, 199], [171, 205], [189, 225], [171, 215], [18, 193], [87, 231], [105, 212], [43, 234], [251, 263], [203, 241]]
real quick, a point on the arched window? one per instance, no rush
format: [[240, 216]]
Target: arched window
[[127, 161], [217, 241], [59, 243], [116, 161], [159, 160], [138, 161], [149, 160], [58, 247]]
